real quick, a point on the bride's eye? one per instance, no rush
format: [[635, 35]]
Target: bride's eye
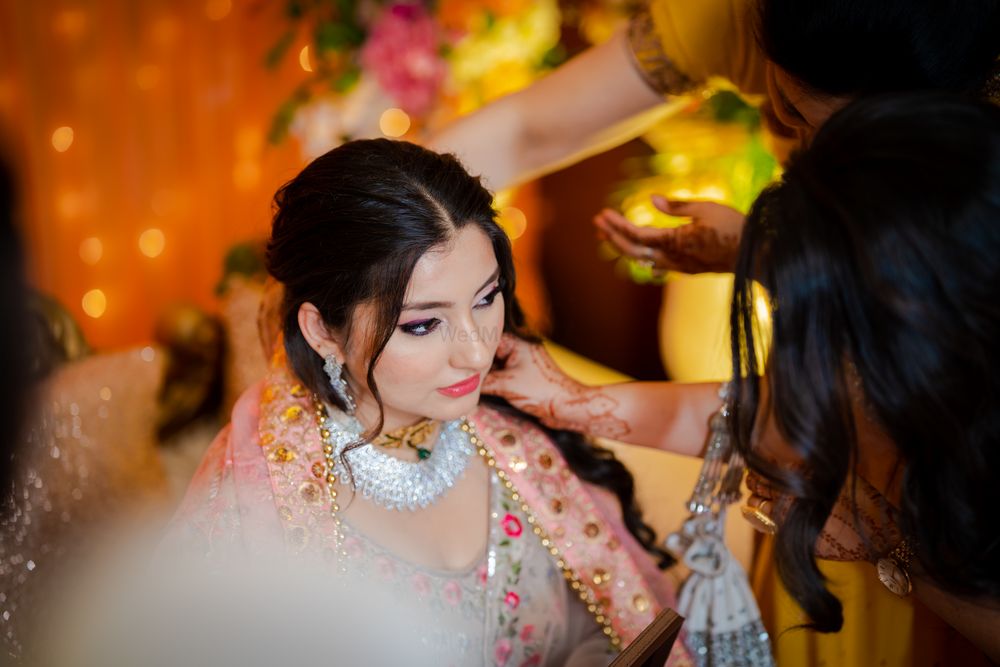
[[488, 300], [420, 327]]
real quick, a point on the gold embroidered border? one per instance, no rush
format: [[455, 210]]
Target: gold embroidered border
[[656, 68], [586, 595]]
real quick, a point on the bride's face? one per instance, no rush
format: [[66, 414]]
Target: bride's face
[[444, 341]]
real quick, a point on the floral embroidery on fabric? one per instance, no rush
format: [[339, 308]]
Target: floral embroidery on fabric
[[502, 651], [587, 541], [421, 585], [511, 637], [512, 606], [452, 593], [512, 525]]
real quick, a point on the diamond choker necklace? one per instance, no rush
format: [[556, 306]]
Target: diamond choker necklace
[[388, 481]]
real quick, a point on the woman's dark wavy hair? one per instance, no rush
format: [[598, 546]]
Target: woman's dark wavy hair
[[867, 47], [350, 228], [879, 249]]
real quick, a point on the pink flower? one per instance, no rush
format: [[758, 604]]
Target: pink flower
[[352, 546], [403, 52], [533, 661], [452, 593], [421, 585], [482, 572], [502, 651], [512, 600], [386, 568], [527, 632], [512, 525]]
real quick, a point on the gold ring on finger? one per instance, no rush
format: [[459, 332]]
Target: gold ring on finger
[[759, 519]]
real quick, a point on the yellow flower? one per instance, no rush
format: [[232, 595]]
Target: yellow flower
[[525, 37], [506, 77]]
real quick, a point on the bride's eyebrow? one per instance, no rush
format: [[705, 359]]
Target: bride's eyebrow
[[431, 305]]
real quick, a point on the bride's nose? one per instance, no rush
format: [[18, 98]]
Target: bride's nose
[[471, 348]]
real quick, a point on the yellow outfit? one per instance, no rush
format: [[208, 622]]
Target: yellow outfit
[[680, 46]]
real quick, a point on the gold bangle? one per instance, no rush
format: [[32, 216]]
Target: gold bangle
[[892, 570]]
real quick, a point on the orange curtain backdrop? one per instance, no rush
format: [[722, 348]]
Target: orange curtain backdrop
[[169, 103]]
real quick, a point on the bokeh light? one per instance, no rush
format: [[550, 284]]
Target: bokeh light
[[69, 204], [217, 10], [147, 76], [91, 250], [394, 122], [513, 221], [70, 23], [94, 303], [304, 59], [151, 242], [62, 138], [246, 174]]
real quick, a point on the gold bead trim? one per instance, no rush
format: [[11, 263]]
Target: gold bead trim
[[331, 484], [593, 606]]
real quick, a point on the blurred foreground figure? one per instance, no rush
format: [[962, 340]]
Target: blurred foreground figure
[[80, 447]]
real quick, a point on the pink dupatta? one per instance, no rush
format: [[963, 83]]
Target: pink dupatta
[[262, 483]]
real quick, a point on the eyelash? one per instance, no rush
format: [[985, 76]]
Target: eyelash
[[424, 327], [488, 300], [790, 109]]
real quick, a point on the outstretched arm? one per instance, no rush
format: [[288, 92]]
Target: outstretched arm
[[592, 103]]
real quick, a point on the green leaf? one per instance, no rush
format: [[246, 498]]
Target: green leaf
[[346, 81], [334, 36], [555, 56], [243, 259], [505, 542], [277, 52], [727, 107], [282, 120], [346, 9]]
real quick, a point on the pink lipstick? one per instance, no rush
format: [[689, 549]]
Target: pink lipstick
[[466, 386]]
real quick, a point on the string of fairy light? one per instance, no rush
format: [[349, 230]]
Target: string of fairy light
[[152, 241]]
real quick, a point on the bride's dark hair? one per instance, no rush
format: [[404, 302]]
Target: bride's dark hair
[[879, 249], [350, 228]]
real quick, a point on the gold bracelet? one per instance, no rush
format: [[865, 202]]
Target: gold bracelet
[[892, 569]]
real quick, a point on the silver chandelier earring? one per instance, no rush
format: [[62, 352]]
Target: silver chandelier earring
[[335, 371]]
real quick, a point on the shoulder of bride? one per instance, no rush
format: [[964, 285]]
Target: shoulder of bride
[[494, 418]]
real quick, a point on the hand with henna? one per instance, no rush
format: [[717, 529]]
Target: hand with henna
[[709, 243], [527, 377]]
